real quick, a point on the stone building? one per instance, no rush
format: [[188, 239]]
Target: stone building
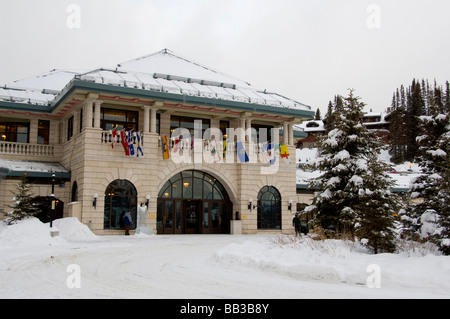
[[185, 148]]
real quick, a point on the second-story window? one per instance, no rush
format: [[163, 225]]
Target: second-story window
[[43, 132], [120, 119], [15, 132], [70, 128]]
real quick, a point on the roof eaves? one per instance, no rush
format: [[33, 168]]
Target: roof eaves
[[179, 98]]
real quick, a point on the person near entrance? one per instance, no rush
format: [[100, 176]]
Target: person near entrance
[[128, 221], [297, 224]]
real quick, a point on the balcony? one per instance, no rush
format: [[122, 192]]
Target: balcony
[[29, 150]]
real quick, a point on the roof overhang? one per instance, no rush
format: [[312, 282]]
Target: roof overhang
[[78, 90]]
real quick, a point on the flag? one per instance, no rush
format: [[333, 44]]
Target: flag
[[165, 147], [268, 153], [130, 142], [271, 153], [139, 147], [214, 153], [124, 143], [114, 137], [284, 151], [224, 149], [177, 144], [242, 154]]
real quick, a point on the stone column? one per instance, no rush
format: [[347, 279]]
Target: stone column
[[241, 136], [248, 129], [97, 105], [88, 113], [146, 118], [285, 133], [291, 133]]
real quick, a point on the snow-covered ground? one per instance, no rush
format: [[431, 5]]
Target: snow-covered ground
[[78, 264]]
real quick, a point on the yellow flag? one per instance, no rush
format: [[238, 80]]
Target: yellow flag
[[284, 151], [165, 147]]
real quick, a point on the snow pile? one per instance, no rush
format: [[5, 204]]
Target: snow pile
[[338, 262], [329, 260], [72, 229], [30, 232]]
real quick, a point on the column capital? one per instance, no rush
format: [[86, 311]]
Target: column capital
[[158, 104]]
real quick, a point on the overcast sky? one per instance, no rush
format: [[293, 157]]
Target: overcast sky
[[306, 50]]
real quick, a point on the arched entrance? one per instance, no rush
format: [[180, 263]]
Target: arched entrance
[[269, 208], [193, 202], [120, 196]]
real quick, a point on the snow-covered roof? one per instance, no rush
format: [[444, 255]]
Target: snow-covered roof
[[39, 90], [162, 71], [32, 169]]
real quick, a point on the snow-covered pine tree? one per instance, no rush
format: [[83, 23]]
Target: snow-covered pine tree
[[23, 206], [433, 185], [355, 197]]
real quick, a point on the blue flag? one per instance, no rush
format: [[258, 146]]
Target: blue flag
[[242, 154]]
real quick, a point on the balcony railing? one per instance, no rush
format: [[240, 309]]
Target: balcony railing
[[26, 149]]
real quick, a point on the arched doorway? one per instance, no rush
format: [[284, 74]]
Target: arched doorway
[[269, 208], [120, 196], [193, 202]]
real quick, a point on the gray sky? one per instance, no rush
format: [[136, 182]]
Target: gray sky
[[306, 50]]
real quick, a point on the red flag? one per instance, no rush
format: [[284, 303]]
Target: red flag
[[125, 143]]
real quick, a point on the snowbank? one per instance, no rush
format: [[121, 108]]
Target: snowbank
[[31, 232], [339, 262], [72, 229]]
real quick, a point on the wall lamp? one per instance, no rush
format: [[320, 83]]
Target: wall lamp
[[94, 203], [147, 200], [290, 205], [250, 206]]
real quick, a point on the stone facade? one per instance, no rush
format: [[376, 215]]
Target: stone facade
[[79, 139]]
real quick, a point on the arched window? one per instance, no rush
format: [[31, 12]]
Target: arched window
[[120, 196], [193, 185], [269, 208]]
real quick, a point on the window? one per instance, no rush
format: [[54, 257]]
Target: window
[[224, 125], [193, 185], [120, 197], [120, 119], [188, 123], [158, 123], [15, 132], [269, 208], [43, 132], [70, 128], [263, 133]]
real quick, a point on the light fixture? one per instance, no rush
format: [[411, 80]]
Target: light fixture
[[186, 185], [250, 201], [147, 200], [290, 204], [94, 203]]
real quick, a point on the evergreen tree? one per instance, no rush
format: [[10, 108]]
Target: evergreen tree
[[23, 206], [352, 178], [317, 116], [433, 185], [332, 112]]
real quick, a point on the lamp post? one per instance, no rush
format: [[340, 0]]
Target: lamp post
[[52, 211]]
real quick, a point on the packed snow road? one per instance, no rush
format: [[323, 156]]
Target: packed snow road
[[78, 264]]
